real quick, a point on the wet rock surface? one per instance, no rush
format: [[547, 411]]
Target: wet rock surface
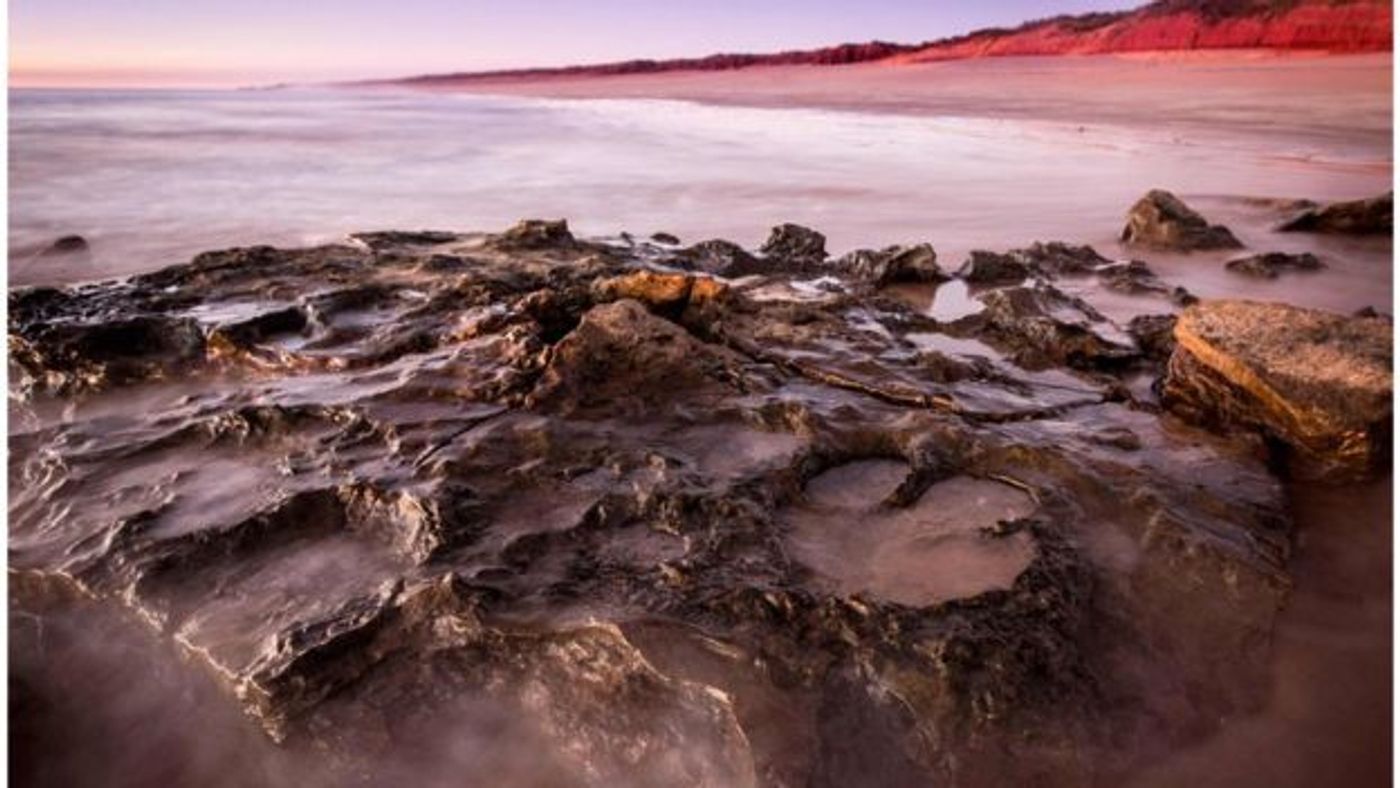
[[1373, 216], [1271, 264], [1160, 220], [1317, 383], [438, 493]]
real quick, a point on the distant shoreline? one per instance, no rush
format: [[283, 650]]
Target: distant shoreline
[[1161, 28]]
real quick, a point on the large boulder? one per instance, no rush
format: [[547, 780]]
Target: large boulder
[[1357, 217], [1160, 220], [1315, 383]]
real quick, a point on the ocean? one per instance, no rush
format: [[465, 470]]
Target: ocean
[[151, 178]]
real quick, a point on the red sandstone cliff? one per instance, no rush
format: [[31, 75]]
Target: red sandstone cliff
[[1166, 25], [1176, 25]]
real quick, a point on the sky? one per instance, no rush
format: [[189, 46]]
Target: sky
[[243, 42]]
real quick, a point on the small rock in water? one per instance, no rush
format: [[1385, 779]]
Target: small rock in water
[[1316, 382], [1373, 216], [796, 243], [68, 244], [1160, 220], [1270, 264]]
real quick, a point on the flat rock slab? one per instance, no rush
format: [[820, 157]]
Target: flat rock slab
[[1318, 382]]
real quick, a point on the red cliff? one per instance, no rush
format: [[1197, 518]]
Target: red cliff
[[1180, 25], [1166, 25]]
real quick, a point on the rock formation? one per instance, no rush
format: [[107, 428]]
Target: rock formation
[[1374, 216], [1270, 264], [1160, 220], [398, 493], [1318, 384]]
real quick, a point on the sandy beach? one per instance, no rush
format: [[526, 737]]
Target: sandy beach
[[1266, 92]]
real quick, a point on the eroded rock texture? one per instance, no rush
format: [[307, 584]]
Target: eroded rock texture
[[1373, 216], [655, 527], [1316, 382], [1160, 220]]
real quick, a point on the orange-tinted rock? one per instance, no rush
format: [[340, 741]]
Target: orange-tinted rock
[[1160, 220], [1316, 382]]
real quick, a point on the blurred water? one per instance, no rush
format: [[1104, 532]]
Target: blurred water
[[153, 177]]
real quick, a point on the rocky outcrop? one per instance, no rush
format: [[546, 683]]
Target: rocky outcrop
[[1316, 383], [1042, 326], [795, 245], [1162, 221], [989, 268], [1374, 216], [892, 265], [429, 505], [718, 257], [1270, 264], [536, 234]]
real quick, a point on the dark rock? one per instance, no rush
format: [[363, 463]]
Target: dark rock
[[720, 258], [1183, 297], [624, 359], [1162, 221], [1270, 264], [666, 238], [893, 265], [989, 268], [68, 244], [1154, 334], [1134, 277], [1372, 216], [73, 356], [1044, 327], [1061, 259], [536, 234], [398, 238], [1316, 382], [793, 242]]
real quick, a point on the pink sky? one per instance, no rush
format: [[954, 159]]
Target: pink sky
[[233, 42]]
